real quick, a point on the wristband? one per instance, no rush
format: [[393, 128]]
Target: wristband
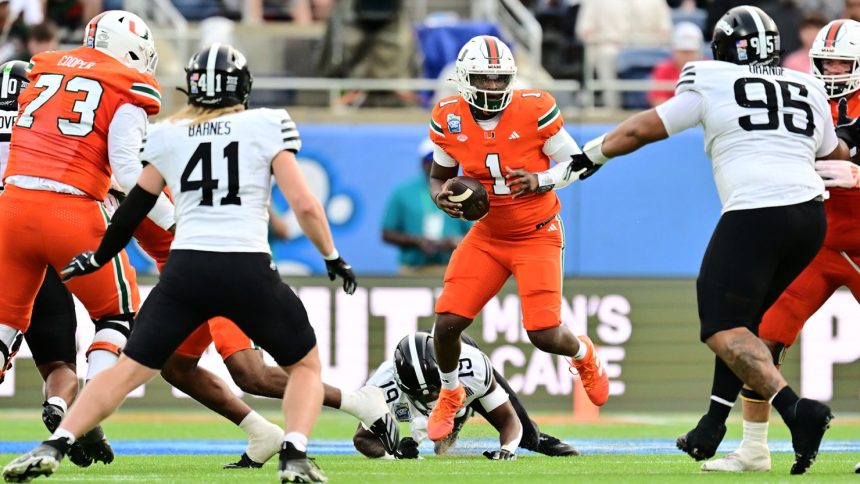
[[335, 255], [545, 181], [594, 150]]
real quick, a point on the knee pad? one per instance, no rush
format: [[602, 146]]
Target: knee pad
[[112, 333]]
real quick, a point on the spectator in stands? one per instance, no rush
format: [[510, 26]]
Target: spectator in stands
[[687, 41], [41, 38], [425, 236], [808, 29], [370, 39], [605, 26], [852, 9]]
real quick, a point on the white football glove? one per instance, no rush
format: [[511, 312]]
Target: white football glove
[[838, 173]]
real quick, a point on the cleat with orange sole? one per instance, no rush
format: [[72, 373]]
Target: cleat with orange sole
[[441, 421], [592, 373]]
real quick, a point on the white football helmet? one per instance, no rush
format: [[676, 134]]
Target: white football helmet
[[485, 61], [838, 40], [123, 36]]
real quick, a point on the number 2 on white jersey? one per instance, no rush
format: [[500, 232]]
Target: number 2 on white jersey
[[85, 108], [499, 184]]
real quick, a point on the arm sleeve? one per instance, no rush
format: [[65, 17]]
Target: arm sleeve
[[442, 158], [682, 112], [128, 216], [560, 147], [126, 136]]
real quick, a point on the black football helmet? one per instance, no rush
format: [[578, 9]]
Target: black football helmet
[[415, 368], [217, 77], [14, 81], [746, 35]]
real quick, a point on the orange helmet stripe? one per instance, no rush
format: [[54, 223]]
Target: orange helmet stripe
[[830, 38], [492, 49]]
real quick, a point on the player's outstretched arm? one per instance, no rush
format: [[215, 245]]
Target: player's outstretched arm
[[504, 419], [311, 216], [128, 216]]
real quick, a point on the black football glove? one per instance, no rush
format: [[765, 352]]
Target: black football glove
[[340, 267], [407, 449], [81, 264], [501, 454], [579, 162], [847, 129]]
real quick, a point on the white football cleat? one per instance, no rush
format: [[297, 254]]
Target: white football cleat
[[745, 459]]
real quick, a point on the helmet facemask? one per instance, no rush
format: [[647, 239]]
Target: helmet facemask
[[490, 92]]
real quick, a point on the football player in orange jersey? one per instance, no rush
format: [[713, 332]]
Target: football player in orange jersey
[[835, 59], [82, 117], [506, 139]]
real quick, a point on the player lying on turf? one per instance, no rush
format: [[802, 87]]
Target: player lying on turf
[[219, 264], [835, 59], [506, 138], [411, 384]]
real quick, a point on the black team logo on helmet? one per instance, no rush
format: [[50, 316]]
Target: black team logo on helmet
[[13, 81], [218, 77], [748, 36]]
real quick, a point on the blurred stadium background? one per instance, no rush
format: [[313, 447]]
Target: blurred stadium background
[[358, 76]]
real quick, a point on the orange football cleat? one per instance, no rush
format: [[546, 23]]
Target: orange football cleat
[[441, 421], [593, 375]]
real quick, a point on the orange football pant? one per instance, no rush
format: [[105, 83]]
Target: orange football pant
[[41, 228], [806, 294], [481, 265]]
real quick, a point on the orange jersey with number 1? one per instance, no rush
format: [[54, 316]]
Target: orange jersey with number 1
[[62, 127], [516, 142]]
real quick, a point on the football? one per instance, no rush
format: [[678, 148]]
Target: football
[[472, 194]]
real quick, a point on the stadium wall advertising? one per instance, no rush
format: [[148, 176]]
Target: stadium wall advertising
[[646, 328]]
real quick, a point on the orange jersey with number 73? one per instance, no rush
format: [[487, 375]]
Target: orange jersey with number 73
[[65, 113], [516, 142]]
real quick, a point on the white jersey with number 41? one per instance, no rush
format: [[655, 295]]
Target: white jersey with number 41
[[220, 173]]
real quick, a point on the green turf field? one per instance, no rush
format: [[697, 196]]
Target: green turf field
[[20, 425]]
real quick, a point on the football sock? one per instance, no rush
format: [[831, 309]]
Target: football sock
[[581, 352], [449, 379], [724, 391], [58, 401], [785, 402], [62, 433], [264, 437], [299, 441], [755, 433]]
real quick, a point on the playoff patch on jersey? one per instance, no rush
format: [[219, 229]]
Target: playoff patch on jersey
[[454, 124], [401, 412]]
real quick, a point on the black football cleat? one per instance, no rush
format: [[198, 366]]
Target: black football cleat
[[553, 447], [296, 466], [811, 420], [244, 462], [96, 446], [41, 461], [387, 430], [702, 442], [52, 415]]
